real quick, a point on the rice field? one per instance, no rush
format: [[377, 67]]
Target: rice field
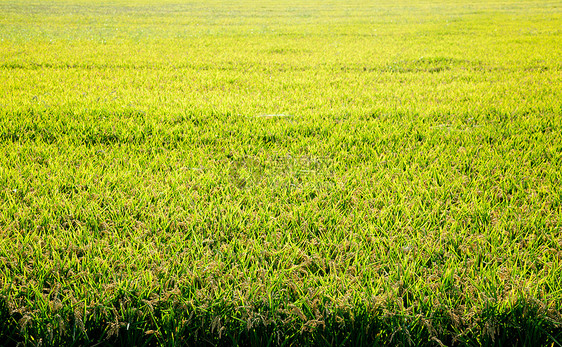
[[280, 173]]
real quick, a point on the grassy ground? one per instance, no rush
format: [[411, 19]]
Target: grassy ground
[[280, 172]]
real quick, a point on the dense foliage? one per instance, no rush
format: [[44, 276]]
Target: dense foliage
[[280, 172]]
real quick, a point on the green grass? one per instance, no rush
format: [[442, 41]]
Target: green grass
[[283, 173]]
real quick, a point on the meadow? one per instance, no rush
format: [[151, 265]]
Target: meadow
[[280, 172]]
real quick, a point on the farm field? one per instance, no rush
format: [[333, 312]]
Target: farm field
[[280, 172]]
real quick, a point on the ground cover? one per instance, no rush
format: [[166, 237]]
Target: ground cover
[[280, 172]]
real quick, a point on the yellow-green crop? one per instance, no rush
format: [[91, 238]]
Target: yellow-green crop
[[280, 172]]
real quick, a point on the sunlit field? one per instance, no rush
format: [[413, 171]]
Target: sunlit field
[[280, 173]]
